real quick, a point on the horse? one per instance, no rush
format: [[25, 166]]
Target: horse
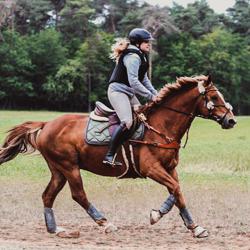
[[169, 117]]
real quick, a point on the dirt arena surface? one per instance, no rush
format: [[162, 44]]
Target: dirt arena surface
[[221, 208]]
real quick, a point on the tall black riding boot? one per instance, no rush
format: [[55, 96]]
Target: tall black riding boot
[[118, 137]]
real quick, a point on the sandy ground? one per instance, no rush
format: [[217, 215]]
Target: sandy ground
[[221, 208]]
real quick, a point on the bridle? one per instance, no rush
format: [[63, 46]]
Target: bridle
[[172, 144], [208, 104]]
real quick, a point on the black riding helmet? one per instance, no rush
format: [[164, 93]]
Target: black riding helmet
[[137, 36]]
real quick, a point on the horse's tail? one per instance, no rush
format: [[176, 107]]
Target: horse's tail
[[20, 139]]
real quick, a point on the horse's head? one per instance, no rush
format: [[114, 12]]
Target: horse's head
[[213, 106]]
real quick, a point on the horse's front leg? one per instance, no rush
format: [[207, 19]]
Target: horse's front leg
[[78, 194], [170, 180], [197, 231]]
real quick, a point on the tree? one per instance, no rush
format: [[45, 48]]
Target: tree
[[7, 8], [221, 53], [47, 55], [197, 19], [178, 55], [32, 15], [113, 11], [58, 6], [153, 18], [15, 68], [238, 17], [227, 55], [75, 19], [83, 79]]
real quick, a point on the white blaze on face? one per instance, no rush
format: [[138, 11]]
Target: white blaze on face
[[210, 105], [221, 96], [227, 104]]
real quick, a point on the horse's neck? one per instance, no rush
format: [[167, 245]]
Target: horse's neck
[[172, 123]]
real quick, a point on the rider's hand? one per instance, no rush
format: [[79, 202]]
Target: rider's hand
[[136, 107], [154, 98]]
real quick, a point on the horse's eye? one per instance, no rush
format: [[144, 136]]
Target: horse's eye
[[214, 98]]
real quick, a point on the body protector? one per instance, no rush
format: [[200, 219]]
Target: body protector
[[120, 74]]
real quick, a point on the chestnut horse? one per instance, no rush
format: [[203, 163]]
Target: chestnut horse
[[61, 143]]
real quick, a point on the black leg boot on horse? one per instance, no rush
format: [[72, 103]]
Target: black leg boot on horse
[[117, 138]]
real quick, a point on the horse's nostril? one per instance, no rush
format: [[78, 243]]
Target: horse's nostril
[[232, 121]]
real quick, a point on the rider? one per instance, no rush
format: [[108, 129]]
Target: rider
[[129, 77]]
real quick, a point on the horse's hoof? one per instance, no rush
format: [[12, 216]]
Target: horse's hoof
[[155, 216], [62, 233], [110, 228], [199, 232]]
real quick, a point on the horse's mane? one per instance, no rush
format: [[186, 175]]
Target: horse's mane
[[170, 88]]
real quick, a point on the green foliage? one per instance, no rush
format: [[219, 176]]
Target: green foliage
[[31, 15], [87, 71], [227, 55], [75, 19], [238, 19], [15, 68], [197, 19], [221, 53], [47, 55], [113, 13], [59, 59], [155, 19], [178, 56]]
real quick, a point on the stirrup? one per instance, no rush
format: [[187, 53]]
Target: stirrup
[[112, 164]]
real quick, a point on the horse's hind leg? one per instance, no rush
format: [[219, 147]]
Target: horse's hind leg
[[55, 185]]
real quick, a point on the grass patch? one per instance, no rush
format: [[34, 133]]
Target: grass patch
[[212, 154], [212, 149]]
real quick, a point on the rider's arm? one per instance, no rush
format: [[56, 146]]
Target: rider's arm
[[147, 83], [132, 63]]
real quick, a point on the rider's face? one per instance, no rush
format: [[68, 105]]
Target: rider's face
[[145, 46]]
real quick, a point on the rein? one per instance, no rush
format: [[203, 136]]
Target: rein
[[171, 144]]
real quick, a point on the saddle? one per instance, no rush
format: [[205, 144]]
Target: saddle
[[103, 121]]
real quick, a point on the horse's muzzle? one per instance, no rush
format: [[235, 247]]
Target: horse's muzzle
[[228, 123]]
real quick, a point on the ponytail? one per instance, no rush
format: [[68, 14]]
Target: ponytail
[[118, 47]]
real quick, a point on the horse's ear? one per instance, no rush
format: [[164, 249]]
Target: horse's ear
[[209, 80]]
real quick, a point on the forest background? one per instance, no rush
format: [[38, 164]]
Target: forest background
[[54, 54]]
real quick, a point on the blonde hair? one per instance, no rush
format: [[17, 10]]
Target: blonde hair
[[118, 47]]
